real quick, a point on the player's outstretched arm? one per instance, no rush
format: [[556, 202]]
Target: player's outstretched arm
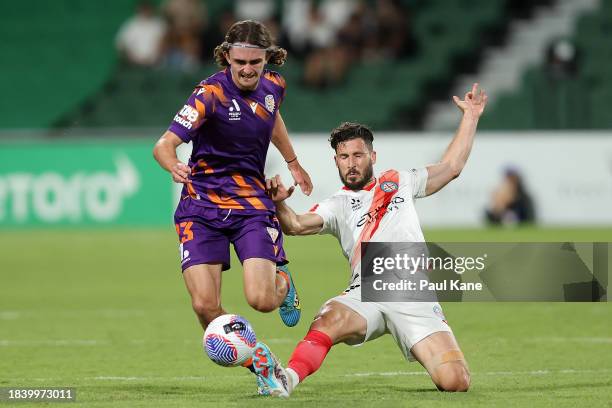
[[291, 223], [458, 150], [165, 154], [280, 139]]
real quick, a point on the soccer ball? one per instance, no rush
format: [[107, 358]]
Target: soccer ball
[[229, 340]]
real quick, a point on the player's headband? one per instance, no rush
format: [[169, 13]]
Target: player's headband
[[243, 45]]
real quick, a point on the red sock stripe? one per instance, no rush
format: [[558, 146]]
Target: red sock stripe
[[319, 337], [310, 353]]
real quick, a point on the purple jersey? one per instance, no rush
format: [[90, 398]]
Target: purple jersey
[[231, 131]]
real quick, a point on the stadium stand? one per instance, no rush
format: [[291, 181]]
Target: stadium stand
[[545, 101], [74, 61], [403, 86], [56, 54]]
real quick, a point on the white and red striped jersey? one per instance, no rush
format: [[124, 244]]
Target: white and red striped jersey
[[383, 211]]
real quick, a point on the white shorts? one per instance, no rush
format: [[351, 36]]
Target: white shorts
[[407, 322]]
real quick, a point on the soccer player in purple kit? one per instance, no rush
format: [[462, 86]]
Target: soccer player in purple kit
[[230, 118]]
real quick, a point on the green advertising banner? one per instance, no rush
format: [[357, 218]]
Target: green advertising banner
[[80, 182]]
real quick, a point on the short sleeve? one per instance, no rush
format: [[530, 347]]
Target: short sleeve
[[416, 180], [198, 108], [328, 210]]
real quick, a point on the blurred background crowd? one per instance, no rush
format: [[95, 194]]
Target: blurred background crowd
[[398, 62], [327, 36]]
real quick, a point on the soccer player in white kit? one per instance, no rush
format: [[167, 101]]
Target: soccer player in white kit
[[374, 209]]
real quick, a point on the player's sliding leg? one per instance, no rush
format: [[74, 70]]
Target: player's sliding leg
[[267, 287], [334, 324], [441, 356], [203, 282], [271, 376]]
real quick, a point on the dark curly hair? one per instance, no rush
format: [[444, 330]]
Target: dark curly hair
[[349, 131], [250, 32]]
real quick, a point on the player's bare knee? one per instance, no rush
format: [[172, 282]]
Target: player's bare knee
[[264, 306], [452, 377], [206, 309], [331, 320], [327, 319], [261, 302]]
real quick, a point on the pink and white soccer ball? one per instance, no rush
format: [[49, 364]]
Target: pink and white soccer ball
[[229, 340]]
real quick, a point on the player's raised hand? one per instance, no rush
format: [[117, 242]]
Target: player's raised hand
[[300, 176], [277, 190], [473, 102], [180, 173]]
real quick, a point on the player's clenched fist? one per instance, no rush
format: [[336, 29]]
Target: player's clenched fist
[[180, 173]]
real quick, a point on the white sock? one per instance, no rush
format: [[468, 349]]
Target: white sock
[[294, 379]]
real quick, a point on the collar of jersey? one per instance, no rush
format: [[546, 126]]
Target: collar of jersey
[[366, 188], [230, 80]]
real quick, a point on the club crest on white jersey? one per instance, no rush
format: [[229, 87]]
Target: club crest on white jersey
[[388, 186]]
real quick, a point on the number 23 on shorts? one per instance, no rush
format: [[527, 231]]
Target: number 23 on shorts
[[184, 231]]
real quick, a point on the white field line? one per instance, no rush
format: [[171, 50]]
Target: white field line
[[537, 373], [484, 373], [280, 340], [103, 313], [94, 342], [187, 378], [571, 339], [9, 315], [53, 343]]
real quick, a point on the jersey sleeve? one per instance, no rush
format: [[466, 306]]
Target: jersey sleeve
[[416, 180], [199, 107], [329, 210]]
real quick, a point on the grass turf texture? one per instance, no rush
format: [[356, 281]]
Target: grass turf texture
[[107, 312]]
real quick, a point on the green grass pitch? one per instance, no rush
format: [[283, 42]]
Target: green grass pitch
[[107, 312]]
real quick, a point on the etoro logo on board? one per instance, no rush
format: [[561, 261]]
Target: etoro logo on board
[[53, 197]]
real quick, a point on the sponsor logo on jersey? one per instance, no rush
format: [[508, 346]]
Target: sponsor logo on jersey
[[189, 112], [388, 186], [187, 116], [356, 204], [253, 106], [234, 111], [270, 103], [378, 212], [183, 122]]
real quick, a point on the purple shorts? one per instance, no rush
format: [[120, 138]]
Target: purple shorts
[[205, 235]]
